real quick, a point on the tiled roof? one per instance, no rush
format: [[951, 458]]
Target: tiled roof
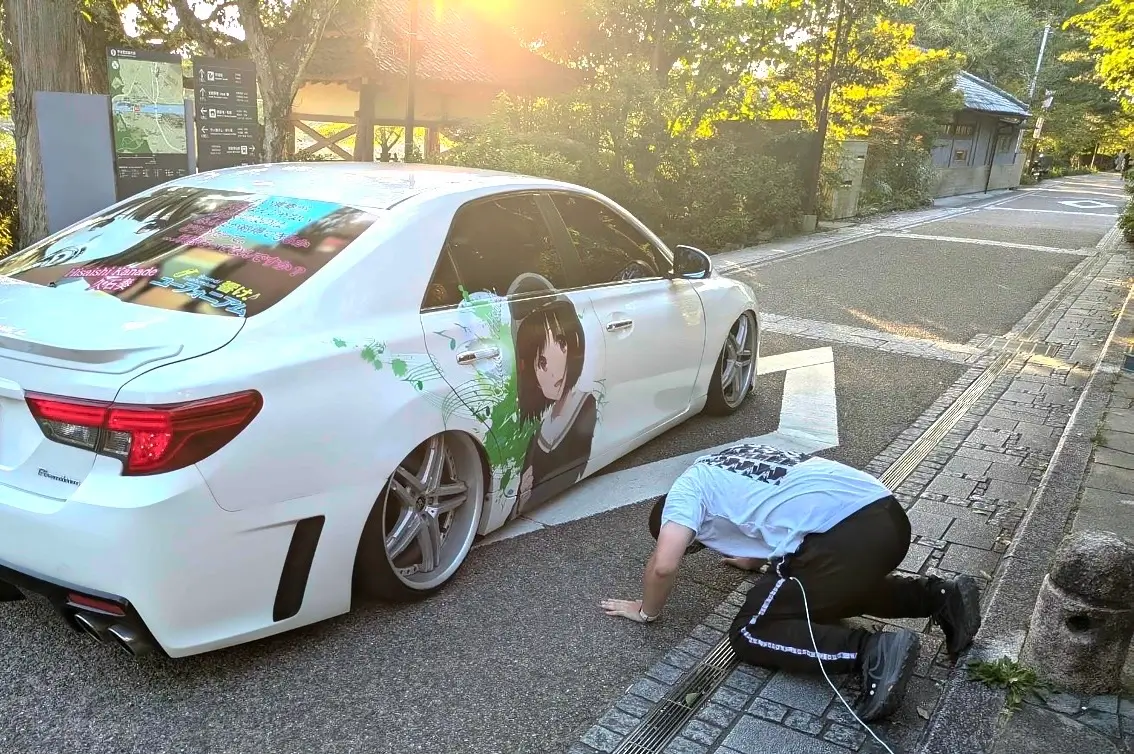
[[985, 98], [455, 47]]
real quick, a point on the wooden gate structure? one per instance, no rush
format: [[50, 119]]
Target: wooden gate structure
[[357, 79]]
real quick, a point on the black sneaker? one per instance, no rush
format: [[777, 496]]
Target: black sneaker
[[958, 612], [887, 666]]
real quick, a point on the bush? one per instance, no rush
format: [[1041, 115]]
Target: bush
[[9, 214], [898, 175], [1126, 222]]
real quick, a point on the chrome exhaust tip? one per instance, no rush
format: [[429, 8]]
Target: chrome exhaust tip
[[130, 641], [91, 626]]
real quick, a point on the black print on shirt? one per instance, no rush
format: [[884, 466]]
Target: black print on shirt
[[760, 462]]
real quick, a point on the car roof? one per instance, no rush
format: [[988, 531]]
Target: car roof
[[373, 185]]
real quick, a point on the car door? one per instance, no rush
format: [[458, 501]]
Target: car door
[[653, 325], [519, 352]]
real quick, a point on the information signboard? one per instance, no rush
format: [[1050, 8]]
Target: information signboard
[[147, 105], [228, 131]]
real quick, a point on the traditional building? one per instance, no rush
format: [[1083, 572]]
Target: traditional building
[[358, 74], [980, 149]]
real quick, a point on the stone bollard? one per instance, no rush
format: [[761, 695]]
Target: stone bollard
[[1084, 616]]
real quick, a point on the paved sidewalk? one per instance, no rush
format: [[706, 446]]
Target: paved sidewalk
[[972, 503], [1057, 721]]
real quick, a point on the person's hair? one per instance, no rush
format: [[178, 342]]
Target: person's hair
[[562, 321]]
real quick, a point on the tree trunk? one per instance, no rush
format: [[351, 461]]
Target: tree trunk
[[42, 40], [280, 67]]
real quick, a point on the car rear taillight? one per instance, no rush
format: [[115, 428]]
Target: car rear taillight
[[147, 439]]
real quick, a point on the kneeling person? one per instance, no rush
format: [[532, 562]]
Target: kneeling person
[[832, 537]]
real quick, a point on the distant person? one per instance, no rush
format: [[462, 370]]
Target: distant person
[[831, 535], [1122, 162]]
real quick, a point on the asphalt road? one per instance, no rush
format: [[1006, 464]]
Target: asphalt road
[[514, 656]]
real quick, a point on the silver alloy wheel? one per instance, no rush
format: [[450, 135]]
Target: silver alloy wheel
[[431, 510], [738, 360]]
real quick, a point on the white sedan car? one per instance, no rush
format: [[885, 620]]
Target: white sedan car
[[233, 404]]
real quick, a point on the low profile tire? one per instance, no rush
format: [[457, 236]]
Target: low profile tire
[[424, 522], [734, 373]]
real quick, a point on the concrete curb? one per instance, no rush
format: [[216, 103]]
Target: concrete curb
[[968, 715]]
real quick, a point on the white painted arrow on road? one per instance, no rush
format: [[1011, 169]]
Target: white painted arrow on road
[[809, 423], [1087, 204]]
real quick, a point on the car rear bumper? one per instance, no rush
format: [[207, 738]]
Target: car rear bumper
[[188, 576]]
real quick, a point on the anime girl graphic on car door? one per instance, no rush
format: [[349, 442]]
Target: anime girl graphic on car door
[[550, 353]]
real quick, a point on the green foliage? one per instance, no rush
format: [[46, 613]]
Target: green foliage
[[9, 215], [1007, 674], [1126, 221], [998, 40], [1110, 25]]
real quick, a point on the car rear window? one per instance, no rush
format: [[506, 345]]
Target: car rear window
[[198, 250]]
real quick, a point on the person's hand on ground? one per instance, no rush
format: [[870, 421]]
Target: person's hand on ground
[[629, 609], [745, 564]]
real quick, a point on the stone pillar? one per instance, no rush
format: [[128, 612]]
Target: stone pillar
[[1084, 616]]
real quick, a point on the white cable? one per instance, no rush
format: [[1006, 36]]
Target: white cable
[[815, 645]]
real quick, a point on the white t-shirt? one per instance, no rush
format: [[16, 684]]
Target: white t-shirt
[[756, 501]]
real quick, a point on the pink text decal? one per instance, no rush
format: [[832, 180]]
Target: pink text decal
[[236, 250], [98, 272]]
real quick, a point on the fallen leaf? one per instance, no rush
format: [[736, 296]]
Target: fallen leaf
[[923, 713], [986, 574]]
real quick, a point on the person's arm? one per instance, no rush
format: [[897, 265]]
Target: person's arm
[[659, 577]]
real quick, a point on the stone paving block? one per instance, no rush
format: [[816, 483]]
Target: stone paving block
[[944, 510], [1107, 703], [666, 673], [619, 722], [972, 534], [601, 739], [767, 709], [803, 722], [730, 698], [988, 438], [694, 648], [708, 634], [969, 560], [1104, 722], [805, 693], [985, 455], [1005, 472], [685, 746], [634, 705], [844, 736], [718, 622], [1115, 458], [915, 558], [718, 715], [752, 735], [948, 485], [1103, 477], [701, 732], [1029, 429], [680, 659], [995, 422], [926, 524], [745, 683], [1119, 421], [1016, 493], [967, 466], [649, 689]]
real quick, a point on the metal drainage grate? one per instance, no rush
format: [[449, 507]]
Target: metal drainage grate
[[662, 723]]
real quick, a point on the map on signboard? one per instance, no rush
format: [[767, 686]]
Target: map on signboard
[[148, 102]]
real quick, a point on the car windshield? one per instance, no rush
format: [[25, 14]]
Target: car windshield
[[199, 250]]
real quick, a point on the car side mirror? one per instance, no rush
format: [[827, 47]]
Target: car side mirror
[[691, 263]]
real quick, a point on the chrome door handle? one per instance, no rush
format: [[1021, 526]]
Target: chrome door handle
[[469, 357], [620, 324]]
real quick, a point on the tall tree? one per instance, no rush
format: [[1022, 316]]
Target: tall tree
[[42, 40], [279, 35], [999, 40], [1111, 28]]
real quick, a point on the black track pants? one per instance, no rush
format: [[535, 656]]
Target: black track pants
[[846, 572]]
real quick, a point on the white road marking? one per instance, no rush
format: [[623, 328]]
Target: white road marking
[[905, 345], [1099, 192], [1054, 212], [986, 242], [1087, 204], [809, 423]]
